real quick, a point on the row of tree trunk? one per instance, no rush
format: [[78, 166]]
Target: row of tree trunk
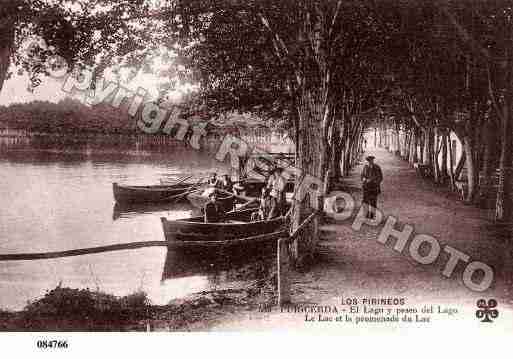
[[329, 142], [484, 168]]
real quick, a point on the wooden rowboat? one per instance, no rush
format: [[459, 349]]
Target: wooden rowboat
[[237, 228], [150, 194]]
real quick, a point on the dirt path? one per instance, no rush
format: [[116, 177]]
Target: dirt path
[[353, 264]]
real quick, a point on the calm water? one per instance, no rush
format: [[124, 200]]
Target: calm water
[[59, 202]]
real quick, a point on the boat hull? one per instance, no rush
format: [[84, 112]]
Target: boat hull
[[235, 229], [148, 194]]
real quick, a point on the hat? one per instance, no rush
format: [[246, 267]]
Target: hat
[[370, 158]]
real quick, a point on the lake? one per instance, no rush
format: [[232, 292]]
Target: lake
[[55, 201]]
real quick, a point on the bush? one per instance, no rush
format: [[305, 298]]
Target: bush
[[135, 301], [83, 308]]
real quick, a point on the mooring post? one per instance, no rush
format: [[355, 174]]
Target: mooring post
[[283, 272]]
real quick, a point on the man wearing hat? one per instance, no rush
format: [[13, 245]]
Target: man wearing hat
[[371, 179]]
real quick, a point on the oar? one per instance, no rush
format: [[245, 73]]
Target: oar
[[244, 198], [246, 205], [175, 197], [180, 180], [194, 188], [183, 180]]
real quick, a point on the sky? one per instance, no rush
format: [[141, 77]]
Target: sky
[[15, 89]]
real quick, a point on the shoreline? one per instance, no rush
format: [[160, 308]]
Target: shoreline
[[129, 145]]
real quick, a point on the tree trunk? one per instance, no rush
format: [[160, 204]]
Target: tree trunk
[[330, 154], [436, 168], [489, 162], [422, 142], [451, 160], [443, 170], [312, 161], [397, 142], [411, 146], [6, 47], [427, 147], [415, 157], [460, 165], [504, 204], [471, 171], [347, 158], [337, 154]]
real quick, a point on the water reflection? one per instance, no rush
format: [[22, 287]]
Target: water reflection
[[132, 210], [219, 267]]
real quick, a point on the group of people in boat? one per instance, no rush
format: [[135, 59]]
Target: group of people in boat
[[272, 201], [224, 183]]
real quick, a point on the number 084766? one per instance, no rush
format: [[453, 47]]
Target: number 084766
[[52, 344]]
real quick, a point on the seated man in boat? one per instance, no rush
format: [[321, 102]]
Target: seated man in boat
[[226, 183], [238, 188], [212, 210], [276, 186], [213, 181]]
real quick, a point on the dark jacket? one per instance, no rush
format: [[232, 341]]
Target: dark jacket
[[372, 178], [213, 213]]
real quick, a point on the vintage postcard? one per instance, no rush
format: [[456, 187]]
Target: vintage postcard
[[329, 166]]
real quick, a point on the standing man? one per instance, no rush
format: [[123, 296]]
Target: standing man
[[276, 186], [371, 181]]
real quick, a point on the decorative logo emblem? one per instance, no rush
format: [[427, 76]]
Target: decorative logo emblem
[[487, 310]]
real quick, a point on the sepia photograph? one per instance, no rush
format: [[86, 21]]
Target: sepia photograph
[[337, 167]]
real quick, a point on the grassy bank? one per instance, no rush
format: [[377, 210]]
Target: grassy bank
[[67, 309]]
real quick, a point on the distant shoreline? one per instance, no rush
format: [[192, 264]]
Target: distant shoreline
[[132, 144]]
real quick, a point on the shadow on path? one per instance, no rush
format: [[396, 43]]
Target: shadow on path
[[363, 265]]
